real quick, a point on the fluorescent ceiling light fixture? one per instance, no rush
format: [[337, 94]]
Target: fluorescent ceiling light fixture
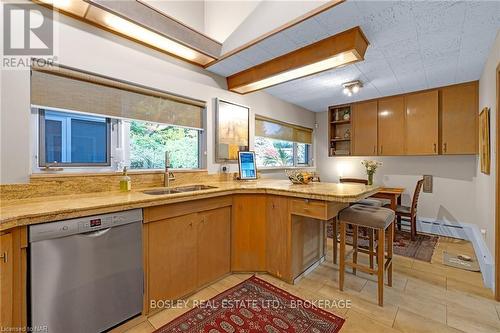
[[75, 7], [335, 51], [98, 14], [317, 67]]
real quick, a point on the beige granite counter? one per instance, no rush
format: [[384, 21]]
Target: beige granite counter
[[44, 209]]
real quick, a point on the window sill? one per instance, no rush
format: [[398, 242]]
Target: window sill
[[264, 169], [69, 173]]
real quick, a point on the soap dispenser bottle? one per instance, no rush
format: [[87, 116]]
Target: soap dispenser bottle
[[125, 181]]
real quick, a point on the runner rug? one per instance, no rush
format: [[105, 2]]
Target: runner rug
[[255, 306]]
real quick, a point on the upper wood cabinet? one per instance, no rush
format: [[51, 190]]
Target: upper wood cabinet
[[391, 126], [459, 110], [422, 130], [364, 125], [431, 122]]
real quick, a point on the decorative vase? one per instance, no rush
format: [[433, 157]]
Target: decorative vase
[[370, 179]]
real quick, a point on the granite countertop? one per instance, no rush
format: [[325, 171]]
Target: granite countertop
[[37, 210]]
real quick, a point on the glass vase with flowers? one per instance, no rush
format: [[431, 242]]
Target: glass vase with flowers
[[371, 168]]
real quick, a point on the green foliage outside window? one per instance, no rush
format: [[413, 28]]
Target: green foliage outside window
[[149, 141]]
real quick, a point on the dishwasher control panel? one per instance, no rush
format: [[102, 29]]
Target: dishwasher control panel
[[83, 224]]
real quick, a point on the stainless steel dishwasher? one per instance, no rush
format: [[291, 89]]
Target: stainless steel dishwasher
[[86, 274]]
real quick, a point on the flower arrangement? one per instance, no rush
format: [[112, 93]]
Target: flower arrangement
[[371, 167]]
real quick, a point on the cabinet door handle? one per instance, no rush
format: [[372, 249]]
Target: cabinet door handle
[[445, 147], [381, 150], [4, 257], [435, 148], [374, 149]]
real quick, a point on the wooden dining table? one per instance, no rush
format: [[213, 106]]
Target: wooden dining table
[[391, 193]]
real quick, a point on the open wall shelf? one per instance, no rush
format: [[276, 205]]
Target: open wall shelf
[[340, 130]]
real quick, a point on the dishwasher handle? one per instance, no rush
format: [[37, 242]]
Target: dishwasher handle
[[95, 234]]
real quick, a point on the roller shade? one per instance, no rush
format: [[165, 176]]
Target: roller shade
[[276, 129], [67, 89]]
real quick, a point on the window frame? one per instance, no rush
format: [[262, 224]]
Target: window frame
[[41, 143], [115, 138], [296, 165]]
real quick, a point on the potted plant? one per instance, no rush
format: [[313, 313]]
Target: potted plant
[[371, 167]]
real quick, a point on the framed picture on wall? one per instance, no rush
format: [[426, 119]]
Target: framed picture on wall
[[231, 130], [484, 140]]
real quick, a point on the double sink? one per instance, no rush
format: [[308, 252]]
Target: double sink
[[180, 189]]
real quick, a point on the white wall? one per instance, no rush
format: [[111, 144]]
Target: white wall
[[88, 48], [267, 16], [223, 17], [189, 12], [485, 184]]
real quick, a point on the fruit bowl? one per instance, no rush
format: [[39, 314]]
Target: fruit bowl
[[299, 176]]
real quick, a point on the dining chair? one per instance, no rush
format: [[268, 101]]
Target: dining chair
[[409, 213]]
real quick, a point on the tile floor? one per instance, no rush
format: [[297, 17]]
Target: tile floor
[[425, 297]]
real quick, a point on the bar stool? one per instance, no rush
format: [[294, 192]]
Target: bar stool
[[376, 218]]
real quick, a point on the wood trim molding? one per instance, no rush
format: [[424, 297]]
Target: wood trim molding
[[281, 28], [350, 44]]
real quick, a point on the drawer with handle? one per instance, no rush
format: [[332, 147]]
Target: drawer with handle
[[311, 208]]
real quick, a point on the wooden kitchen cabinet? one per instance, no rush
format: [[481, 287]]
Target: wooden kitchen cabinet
[[422, 129], [172, 257], [364, 125], [214, 245], [459, 119], [6, 281], [391, 126], [278, 225], [13, 275], [187, 251], [248, 233]]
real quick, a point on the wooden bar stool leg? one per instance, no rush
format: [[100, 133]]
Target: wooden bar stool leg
[[380, 268], [370, 246], [335, 240], [355, 247], [390, 245], [342, 255]]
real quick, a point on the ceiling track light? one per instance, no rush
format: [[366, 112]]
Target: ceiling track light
[[352, 87]]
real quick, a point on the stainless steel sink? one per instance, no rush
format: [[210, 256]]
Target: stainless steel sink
[[180, 189], [160, 191], [191, 188]]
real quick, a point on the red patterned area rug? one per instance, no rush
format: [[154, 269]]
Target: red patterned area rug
[[255, 306]]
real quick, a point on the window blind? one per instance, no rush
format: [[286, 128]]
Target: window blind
[[67, 89], [279, 130]]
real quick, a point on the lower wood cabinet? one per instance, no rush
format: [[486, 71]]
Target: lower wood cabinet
[[214, 245], [248, 233], [6, 281], [278, 225], [186, 252], [173, 259], [13, 274]]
